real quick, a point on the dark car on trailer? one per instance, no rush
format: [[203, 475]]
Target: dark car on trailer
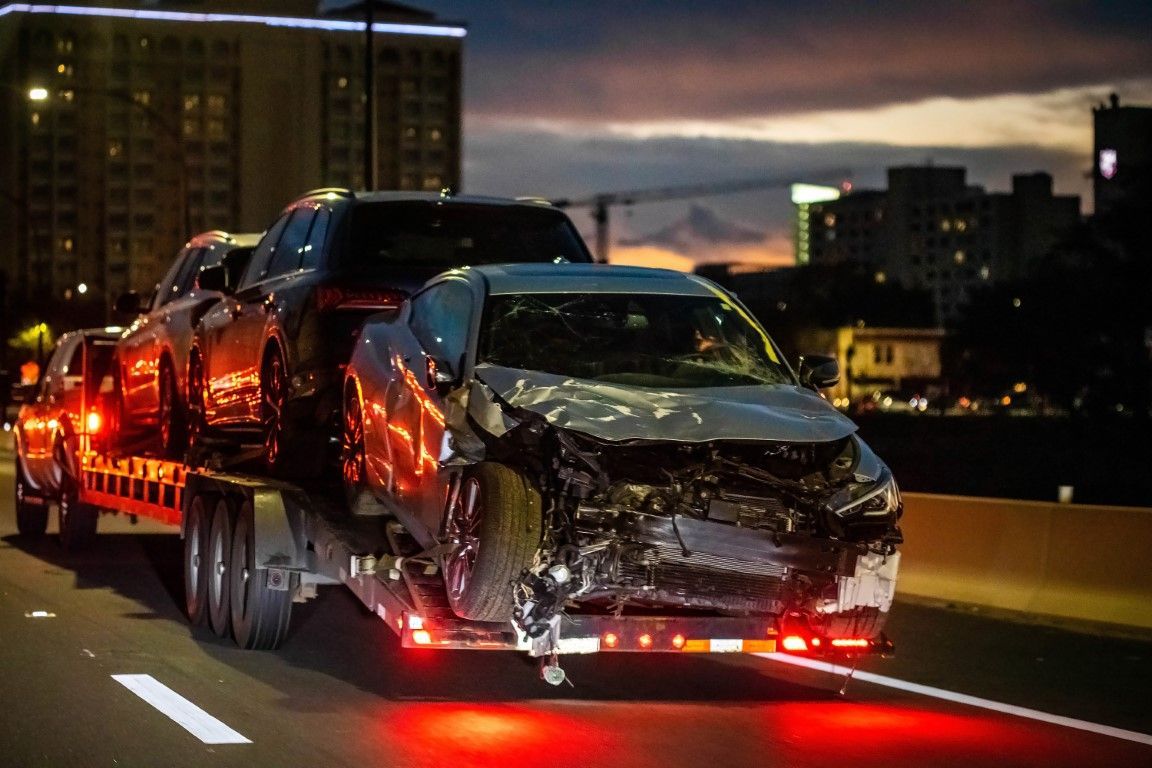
[[267, 363]]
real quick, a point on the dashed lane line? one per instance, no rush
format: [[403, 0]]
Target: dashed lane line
[[186, 714], [963, 698]]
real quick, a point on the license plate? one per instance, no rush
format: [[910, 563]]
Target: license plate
[[579, 644]]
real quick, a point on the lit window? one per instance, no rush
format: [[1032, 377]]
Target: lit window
[[217, 103], [191, 102], [144, 98], [829, 219], [433, 182], [881, 278], [35, 118], [435, 135], [68, 95], [190, 127], [115, 148], [985, 272], [145, 42], [342, 83], [959, 257], [945, 225], [410, 132], [961, 225]]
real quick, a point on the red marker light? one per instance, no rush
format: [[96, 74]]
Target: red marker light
[[610, 640], [645, 641], [678, 642], [94, 422], [815, 642], [850, 642], [794, 643]]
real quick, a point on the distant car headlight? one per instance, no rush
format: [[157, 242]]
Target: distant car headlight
[[864, 511]]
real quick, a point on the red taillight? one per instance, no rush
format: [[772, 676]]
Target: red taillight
[[94, 422], [610, 640], [678, 642], [421, 637], [645, 641], [329, 298], [794, 643], [850, 642]]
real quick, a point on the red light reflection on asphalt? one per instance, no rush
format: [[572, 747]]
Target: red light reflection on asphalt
[[499, 735]]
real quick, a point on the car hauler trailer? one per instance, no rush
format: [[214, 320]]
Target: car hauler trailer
[[254, 546]]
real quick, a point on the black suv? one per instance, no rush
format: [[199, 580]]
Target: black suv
[[267, 362]]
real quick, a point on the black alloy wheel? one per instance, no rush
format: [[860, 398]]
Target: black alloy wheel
[[273, 394], [353, 466], [495, 524], [173, 419], [196, 403]]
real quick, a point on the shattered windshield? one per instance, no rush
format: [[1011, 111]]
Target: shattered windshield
[[644, 340]]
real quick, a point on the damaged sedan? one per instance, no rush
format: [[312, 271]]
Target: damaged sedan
[[566, 439]]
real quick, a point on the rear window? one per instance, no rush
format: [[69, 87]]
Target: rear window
[[385, 236]]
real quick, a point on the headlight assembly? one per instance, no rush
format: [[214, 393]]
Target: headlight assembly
[[864, 511]]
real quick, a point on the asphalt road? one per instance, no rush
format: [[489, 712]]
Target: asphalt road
[[340, 692]]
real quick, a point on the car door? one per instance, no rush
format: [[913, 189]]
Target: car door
[[262, 306], [440, 320], [138, 353], [229, 370]]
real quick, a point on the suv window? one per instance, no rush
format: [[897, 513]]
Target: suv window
[[290, 249], [388, 235], [168, 286], [439, 319], [316, 238], [258, 264]]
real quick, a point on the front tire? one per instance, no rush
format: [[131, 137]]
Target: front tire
[[496, 525], [31, 518], [172, 415], [260, 612]]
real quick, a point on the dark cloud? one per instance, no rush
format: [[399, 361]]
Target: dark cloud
[[652, 59]]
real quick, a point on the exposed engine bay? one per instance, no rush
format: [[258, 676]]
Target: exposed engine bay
[[801, 530]]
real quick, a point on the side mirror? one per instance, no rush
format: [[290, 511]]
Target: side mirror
[[439, 374], [129, 304], [234, 263], [819, 371], [214, 279]]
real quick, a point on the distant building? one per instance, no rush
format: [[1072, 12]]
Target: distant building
[[1122, 165], [879, 359], [933, 231], [159, 120], [803, 196]]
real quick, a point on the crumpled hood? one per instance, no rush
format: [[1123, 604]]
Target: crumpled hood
[[784, 413]]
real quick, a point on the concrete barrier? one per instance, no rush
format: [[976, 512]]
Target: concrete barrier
[[1071, 560]]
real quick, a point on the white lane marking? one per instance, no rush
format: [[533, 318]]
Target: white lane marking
[[186, 714], [963, 698]]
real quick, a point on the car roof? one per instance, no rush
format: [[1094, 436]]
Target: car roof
[[502, 279], [111, 332], [220, 237], [401, 196]]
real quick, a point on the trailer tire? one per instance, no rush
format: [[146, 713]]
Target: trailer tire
[[31, 519], [197, 529], [496, 521], [219, 567], [260, 613], [77, 520]]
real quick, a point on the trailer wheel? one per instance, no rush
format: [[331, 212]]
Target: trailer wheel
[[196, 559], [496, 524], [219, 562], [260, 613], [31, 519], [77, 520]]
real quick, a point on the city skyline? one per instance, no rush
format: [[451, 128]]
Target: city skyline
[[596, 97]]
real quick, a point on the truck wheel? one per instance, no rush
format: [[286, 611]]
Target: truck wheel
[[219, 562], [31, 518], [196, 560], [77, 520], [496, 524], [260, 612]]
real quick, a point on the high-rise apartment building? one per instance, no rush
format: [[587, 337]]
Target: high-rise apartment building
[[932, 230], [125, 129], [1122, 160]]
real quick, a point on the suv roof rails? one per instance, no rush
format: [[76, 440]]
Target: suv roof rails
[[342, 191], [534, 199]]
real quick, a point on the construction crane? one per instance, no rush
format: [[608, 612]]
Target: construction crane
[[602, 202]]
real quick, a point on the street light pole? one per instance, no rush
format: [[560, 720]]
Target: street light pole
[[369, 95]]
